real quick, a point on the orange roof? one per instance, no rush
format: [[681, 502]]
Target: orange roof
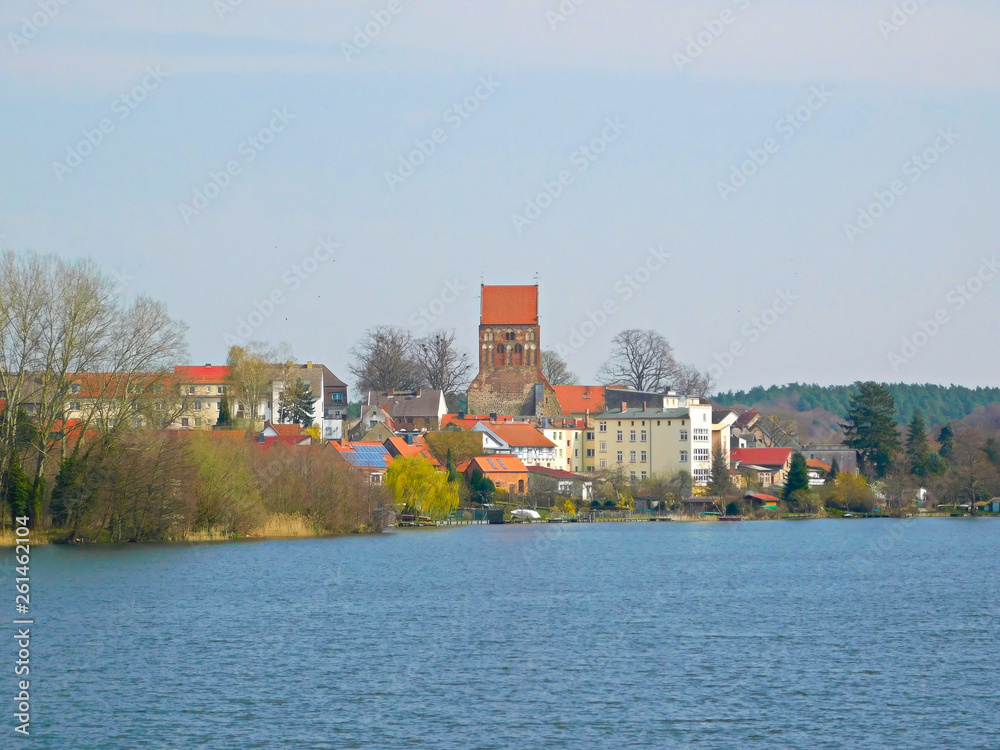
[[398, 446], [497, 464], [471, 420], [285, 429], [815, 463], [521, 434], [509, 305], [206, 374], [578, 399]]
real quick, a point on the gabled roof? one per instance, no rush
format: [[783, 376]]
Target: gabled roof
[[424, 404], [470, 420], [509, 305], [284, 429], [815, 463], [500, 463], [579, 399], [761, 456], [746, 419], [397, 446], [520, 435]]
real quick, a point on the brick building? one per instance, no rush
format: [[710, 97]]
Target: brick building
[[510, 379]]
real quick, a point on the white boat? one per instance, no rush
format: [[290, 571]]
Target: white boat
[[525, 514]]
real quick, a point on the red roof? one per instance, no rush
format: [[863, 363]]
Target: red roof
[[398, 446], [578, 399], [554, 473], [761, 456], [815, 463], [285, 429], [204, 374], [470, 420], [509, 305], [497, 464], [286, 440], [520, 434]]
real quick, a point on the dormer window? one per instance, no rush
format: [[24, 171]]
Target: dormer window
[[74, 388]]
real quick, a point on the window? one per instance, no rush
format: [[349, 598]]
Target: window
[[631, 436], [75, 388], [644, 476], [509, 336], [197, 405], [643, 454], [701, 476], [197, 421], [684, 436], [158, 406], [30, 408], [590, 452], [190, 390], [603, 427], [631, 457], [222, 389], [684, 457], [218, 406], [604, 463], [632, 476], [184, 422], [590, 436], [701, 435], [337, 397], [642, 436], [701, 454], [576, 453], [620, 436], [74, 406], [621, 457], [604, 446]]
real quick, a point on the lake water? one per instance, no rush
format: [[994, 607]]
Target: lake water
[[817, 634]]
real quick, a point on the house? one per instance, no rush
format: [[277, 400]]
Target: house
[[329, 392], [702, 505], [274, 430], [818, 472], [770, 465], [519, 438], [760, 500], [412, 412], [993, 506], [371, 417], [369, 457], [754, 430], [580, 400], [846, 458], [559, 483], [567, 436], [674, 434], [510, 379], [505, 471]]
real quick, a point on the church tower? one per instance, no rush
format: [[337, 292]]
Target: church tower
[[510, 379]]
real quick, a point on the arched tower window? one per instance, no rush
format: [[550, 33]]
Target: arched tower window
[[518, 354]]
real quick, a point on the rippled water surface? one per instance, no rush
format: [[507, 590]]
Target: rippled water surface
[[823, 634]]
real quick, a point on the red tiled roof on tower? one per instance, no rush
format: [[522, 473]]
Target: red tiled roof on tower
[[509, 305]]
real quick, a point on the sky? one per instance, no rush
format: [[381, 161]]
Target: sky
[[788, 191]]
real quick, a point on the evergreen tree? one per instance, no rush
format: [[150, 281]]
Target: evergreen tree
[[721, 484], [834, 469], [947, 440], [918, 450], [870, 428], [798, 478], [225, 417], [450, 465], [297, 403], [17, 487]]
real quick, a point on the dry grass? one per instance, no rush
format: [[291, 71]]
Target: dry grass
[[280, 525], [211, 535], [9, 539]]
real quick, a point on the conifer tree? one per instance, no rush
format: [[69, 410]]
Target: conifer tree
[[798, 478], [297, 403], [870, 428], [918, 450]]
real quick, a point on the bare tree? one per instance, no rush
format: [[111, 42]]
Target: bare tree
[[251, 370], [555, 369], [688, 381], [443, 366], [383, 360], [642, 360]]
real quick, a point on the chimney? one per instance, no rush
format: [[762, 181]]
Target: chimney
[[309, 365], [208, 364]]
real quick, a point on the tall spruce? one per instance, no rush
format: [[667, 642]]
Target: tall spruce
[[721, 484], [297, 403], [870, 428], [834, 468], [797, 479], [947, 440], [918, 451]]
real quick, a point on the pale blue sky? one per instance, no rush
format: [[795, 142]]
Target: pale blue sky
[[553, 90]]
